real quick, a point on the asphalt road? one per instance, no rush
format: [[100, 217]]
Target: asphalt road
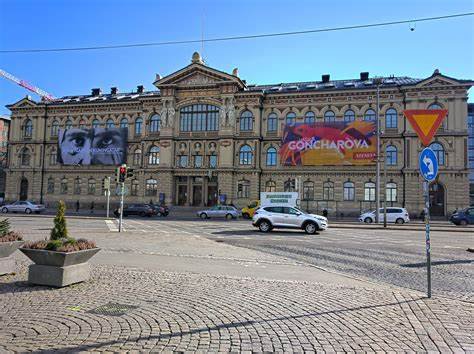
[[395, 257]]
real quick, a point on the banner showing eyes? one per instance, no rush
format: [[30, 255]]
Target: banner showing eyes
[[92, 146]]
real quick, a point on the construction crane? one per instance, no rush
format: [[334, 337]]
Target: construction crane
[[44, 95]]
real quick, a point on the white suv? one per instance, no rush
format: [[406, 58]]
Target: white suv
[[268, 217], [396, 215]]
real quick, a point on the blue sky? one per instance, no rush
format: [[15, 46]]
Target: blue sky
[[446, 45]]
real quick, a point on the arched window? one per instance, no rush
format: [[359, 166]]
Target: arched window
[[391, 155], [28, 129], [435, 106], [272, 122], [438, 149], [54, 128], [270, 186], [328, 190], [82, 124], [309, 117], [271, 156], [154, 156], [25, 157], [91, 186], [53, 157], [134, 187], [151, 187], [245, 155], [124, 123], [64, 186], [199, 117], [95, 123], [289, 185], [369, 191], [290, 118], [308, 190], [243, 189], [246, 121], [349, 116], [329, 117], [391, 192], [349, 190], [137, 157], [369, 115], [391, 119], [138, 126], [110, 123], [68, 124], [155, 122], [77, 185], [50, 185]]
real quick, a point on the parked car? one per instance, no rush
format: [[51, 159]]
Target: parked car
[[249, 210], [161, 210], [394, 215], [136, 209], [219, 211], [463, 217], [23, 206], [270, 217]]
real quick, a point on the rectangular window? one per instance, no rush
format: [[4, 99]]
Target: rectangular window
[[198, 161], [243, 189], [183, 161], [213, 161]]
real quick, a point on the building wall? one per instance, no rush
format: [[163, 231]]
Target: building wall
[[202, 85]]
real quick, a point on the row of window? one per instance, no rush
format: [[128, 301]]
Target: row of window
[[243, 190], [201, 117]]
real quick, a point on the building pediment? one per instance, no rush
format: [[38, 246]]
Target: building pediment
[[438, 80], [198, 74], [25, 102]]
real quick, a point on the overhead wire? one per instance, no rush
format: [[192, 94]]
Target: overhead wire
[[233, 38]]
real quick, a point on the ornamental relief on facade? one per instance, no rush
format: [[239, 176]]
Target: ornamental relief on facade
[[227, 113], [167, 113]]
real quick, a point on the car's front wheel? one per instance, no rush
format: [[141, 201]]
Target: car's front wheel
[[463, 222], [229, 216], [264, 226], [310, 228], [5, 210], [368, 220], [400, 221], [28, 211], [203, 216], [246, 216]]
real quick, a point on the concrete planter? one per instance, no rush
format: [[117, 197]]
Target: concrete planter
[[7, 264], [58, 269]]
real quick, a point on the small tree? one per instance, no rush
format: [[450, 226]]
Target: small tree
[[59, 230]]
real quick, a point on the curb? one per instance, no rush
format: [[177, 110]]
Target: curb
[[432, 228]]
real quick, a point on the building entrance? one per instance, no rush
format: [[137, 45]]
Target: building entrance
[[196, 191], [24, 189], [436, 199]]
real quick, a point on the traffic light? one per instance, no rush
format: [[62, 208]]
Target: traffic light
[[129, 172], [121, 173]]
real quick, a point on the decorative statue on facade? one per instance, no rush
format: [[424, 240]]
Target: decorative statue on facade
[[167, 114], [228, 112]]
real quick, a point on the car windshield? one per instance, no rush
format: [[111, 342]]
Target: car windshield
[[299, 210]]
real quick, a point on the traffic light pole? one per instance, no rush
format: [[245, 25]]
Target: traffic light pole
[[107, 192], [122, 190]]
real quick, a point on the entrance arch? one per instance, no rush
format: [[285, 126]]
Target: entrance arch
[[437, 197], [24, 189]]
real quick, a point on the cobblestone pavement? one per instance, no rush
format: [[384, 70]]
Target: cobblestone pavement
[[131, 309]]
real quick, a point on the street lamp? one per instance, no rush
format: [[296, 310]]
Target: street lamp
[[377, 81]]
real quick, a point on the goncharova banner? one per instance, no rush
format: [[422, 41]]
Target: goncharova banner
[[329, 143], [92, 146]]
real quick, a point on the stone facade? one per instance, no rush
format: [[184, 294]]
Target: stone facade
[[194, 164]]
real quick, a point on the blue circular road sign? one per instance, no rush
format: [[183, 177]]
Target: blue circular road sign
[[428, 164]]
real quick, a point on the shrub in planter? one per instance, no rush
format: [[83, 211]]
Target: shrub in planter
[[9, 243], [61, 260]]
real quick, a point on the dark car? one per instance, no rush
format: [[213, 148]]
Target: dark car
[[161, 210], [136, 209], [463, 217]]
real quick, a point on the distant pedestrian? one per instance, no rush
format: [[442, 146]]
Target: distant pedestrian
[[92, 207], [77, 206], [325, 213]]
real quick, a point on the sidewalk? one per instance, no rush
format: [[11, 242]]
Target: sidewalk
[[175, 292]]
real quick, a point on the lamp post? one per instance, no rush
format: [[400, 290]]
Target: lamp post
[[377, 81]]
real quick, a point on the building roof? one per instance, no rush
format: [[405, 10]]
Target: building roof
[[5, 117]]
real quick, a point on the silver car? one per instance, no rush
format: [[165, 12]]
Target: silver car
[[219, 211], [23, 206]]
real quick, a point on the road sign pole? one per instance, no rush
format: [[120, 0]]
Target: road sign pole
[[107, 192], [427, 231], [122, 192]]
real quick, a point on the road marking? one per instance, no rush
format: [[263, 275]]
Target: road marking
[[111, 225]]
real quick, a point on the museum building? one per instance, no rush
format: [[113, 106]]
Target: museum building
[[205, 136]]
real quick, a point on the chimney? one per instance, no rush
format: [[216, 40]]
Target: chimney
[[113, 90], [325, 78], [140, 89], [364, 76], [96, 92]]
